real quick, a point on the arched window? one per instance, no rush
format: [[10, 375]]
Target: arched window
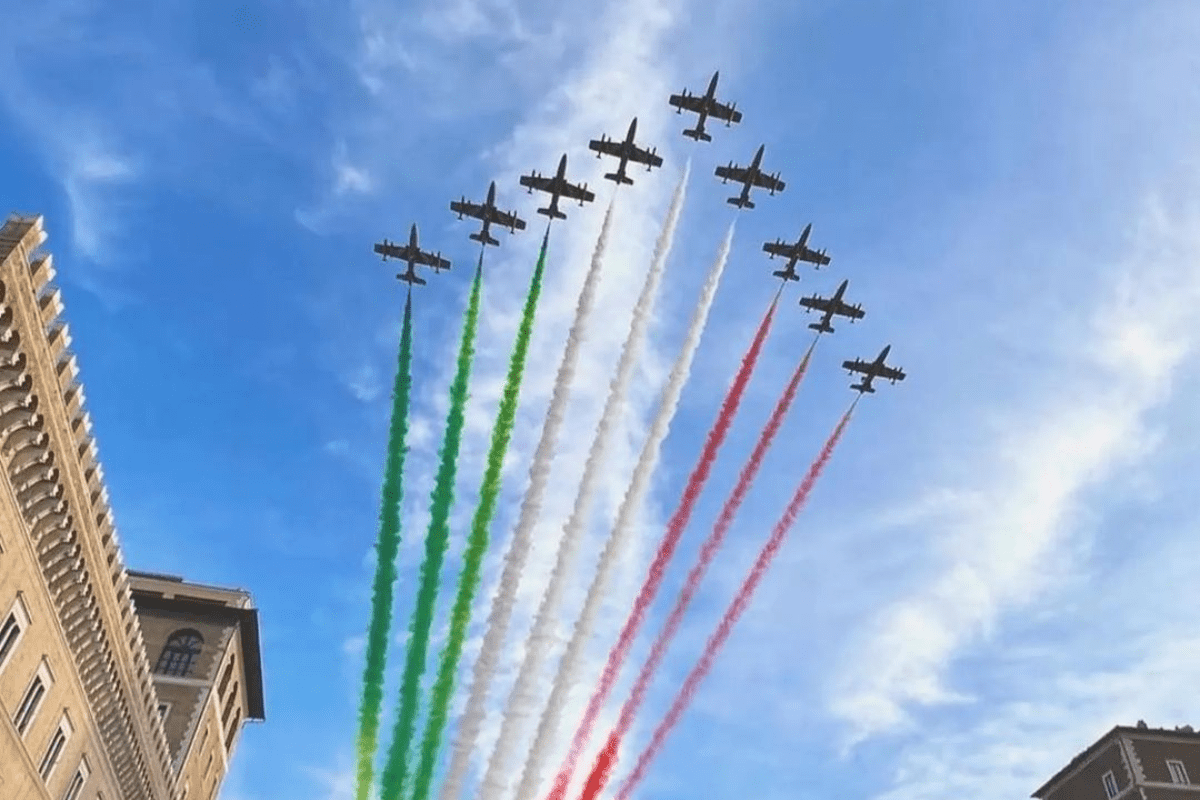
[[179, 653]]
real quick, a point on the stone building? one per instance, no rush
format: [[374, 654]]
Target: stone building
[[1138, 763], [114, 684]]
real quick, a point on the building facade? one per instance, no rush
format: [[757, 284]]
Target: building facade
[[1132, 763], [114, 685]]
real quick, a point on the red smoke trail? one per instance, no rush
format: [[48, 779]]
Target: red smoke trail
[[675, 527], [740, 601], [708, 551]]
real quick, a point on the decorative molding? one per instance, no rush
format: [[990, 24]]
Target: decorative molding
[[1133, 764], [51, 458]]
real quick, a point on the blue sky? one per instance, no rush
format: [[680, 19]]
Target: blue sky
[[995, 567]]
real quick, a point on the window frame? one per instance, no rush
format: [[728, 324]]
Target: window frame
[[18, 612], [1111, 789], [164, 715], [52, 757], [1172, 764], [174, 652], [23, 718], [82, 774]]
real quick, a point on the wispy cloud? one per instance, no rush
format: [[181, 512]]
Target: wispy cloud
[[623, 73]]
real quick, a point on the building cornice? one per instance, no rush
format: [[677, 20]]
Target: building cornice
[[49, 453], [246, 621]]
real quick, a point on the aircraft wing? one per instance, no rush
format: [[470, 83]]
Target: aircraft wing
[[891, 373], [688, 102], [816, 304], [539, 182], [848, 311], [392, 250], [606, 146], [431, 260], [858, 365], [724, 112], [574, 192], [733, 173], [644, 156], [508, 220], [814, 257], [769, 182], [468, 209], [778, 248]]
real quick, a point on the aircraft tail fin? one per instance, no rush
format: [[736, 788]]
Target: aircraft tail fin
[[698, 135], [740, 203], [787, 275], [821, 327], [484, 238], [618, 178]]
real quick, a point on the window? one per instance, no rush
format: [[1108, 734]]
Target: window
[[1178, 773], [1110, 785], [233, 729], [229, 704], [164, 711], [179, 653], [31, 701], [54, 751], [15, 623], [77, 782], [225, 677]]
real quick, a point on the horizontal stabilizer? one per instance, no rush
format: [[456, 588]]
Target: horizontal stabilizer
[[699, 136], [862, 387], [553, 213], [485, 238], [786, 275], [612, 176], [740, 203], [820, 327]]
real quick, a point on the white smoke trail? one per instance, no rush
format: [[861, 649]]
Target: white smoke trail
[[522, 696], [618, 538], [531, 506]]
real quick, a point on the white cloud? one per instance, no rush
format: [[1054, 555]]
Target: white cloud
[[1029, 516], [364, 383], [623, 73], [336, 784], [91, 177]]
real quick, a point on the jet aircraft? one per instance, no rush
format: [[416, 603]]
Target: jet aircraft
[[705, 106], [797, 251], [488, 214], [751, 177], [557, 186], [830, 307], [872, 370], [626, 151], [413, 254]]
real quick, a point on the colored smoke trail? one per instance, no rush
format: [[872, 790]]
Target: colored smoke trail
[[540, 638], [468, 582], [518, 550], [708, 552], [385, 565], [436, 540], [619, 537], [740, 601], [675, 528]]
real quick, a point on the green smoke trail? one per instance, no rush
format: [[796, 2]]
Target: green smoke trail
[[436, 541], [385, 567], [468, 581]]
